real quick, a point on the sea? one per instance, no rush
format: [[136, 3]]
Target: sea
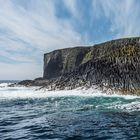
[[27, 113]]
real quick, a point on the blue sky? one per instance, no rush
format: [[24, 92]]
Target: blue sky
[[30, 28]]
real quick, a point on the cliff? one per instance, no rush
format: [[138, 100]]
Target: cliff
[[59, 62], [113, 65]]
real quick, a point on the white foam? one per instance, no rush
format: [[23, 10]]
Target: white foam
[[32, 92], [132, 106], [4, 85]]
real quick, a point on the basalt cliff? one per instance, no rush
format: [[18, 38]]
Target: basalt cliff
[[112, 65]]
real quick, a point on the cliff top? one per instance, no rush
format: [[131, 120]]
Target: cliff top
[[118, 42]]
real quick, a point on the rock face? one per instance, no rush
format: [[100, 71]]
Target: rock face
[[114, 64], [59, 62]]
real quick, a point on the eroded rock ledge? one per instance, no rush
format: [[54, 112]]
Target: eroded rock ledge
[[114, 65]]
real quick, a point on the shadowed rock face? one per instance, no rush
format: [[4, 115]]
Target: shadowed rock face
[[59, 62], [113, 64]]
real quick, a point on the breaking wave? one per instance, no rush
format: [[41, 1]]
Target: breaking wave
[[105, 101]]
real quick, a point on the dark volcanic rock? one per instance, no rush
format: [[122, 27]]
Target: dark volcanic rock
[[114, 64], [25, 82], [63, 61]]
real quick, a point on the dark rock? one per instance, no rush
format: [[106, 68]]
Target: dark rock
[[63, 61], [114, 65], [25, 82], [39, 78]]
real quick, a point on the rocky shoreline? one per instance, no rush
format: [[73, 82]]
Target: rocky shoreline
[[113, 65]]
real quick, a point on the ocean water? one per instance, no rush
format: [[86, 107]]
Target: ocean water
[[30, 114]]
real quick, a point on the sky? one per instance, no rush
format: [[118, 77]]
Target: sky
[[30, 28]]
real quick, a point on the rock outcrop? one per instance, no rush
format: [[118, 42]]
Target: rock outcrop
[[114, 65]]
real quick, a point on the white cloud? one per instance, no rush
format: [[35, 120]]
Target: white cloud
[[72, 7], [123, 15], [33, 27], [42, 30]]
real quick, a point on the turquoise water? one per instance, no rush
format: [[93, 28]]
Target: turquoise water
[[27, 115]]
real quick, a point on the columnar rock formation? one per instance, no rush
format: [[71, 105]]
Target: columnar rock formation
[[63, 61], [114, 65]]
